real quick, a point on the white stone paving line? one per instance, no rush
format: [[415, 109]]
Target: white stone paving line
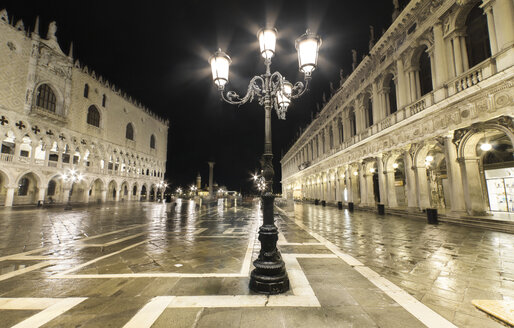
[[18, 256], [26, 269], [113, 242], [419, 310], [52, 308], [145, 317]]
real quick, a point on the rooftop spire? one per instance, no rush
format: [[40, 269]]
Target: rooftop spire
[[36, 26], [70, 54]]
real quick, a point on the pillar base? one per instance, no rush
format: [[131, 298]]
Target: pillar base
[[269, 276]]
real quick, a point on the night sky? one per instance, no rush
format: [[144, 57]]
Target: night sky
[[157, 52]]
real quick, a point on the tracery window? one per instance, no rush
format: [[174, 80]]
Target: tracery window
[[46, 98], [93, 116], [129, 132]]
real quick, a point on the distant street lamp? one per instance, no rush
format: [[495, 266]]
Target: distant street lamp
[[71, 176], [162, 184], [271, 90]]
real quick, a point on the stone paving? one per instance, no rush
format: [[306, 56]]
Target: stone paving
[[157, 265]]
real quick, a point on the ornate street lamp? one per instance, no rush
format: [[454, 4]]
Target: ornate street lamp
[[272, 90], [71, 176]]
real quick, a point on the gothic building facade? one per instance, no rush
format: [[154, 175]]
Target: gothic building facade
[[58, 117], [424, 121]]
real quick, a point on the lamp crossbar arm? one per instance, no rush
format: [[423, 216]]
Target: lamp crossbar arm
[[299, 88], [253, 90]]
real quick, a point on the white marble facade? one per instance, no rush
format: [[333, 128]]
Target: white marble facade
[[57, 115], [412, 125]]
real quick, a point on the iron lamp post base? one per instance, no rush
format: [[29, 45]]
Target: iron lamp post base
[[269, 275]]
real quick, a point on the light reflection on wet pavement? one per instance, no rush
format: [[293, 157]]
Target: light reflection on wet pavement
[[119, 257], [444, 266]]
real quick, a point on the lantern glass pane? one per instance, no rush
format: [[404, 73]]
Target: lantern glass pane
[[307, 54], [267, 41], [220, 66]]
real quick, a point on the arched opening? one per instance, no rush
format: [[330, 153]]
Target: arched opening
[[45, 98], [477, 36], [152, 141], [425, 72], [8, 144], [340, 129], [498, 164], [86, 90], [55, 191], [134, 191], [331, 137], [93, 116], [152, 194], [438, 182], [104, 100], [95, 193], [78, 192], [111, 191], [390, 91], [143, 193], [129, 132], [27, 190]]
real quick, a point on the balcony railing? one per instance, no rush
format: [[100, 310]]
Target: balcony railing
[[42, 112], [464, 81], [6, 157]]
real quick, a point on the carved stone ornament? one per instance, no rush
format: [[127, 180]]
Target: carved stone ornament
[[54, 63]]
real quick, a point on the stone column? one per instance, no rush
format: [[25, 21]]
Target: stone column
[[47, 155], [382, 185], [370, 191], [103, 195], [454, 175], [473, 195], [32, 153], [362, 184], [457, 54], [349, 187], [117, 195], [488, 9], [391, 189], [402, 84], [410, 181], [211, 178], [9, 196], [441, 65], [59, 159], [503, 17], [412, 86], [422, 187], [41, 194], [17, 145]]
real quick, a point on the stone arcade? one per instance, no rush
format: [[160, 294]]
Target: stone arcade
[[57, 115], [424, 121]]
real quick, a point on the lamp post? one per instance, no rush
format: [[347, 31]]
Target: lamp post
[[160, 186], [272, 91], [71, 176]]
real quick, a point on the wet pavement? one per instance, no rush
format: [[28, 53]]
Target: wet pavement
[[153, 265]]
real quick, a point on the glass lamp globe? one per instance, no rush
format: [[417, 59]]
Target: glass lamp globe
[[307, 46], [267, 41], [220, 63]]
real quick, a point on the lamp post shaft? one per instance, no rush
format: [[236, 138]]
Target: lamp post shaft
[[269, 275]]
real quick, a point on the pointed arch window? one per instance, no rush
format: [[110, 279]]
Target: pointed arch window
[[129, 131], [369, 112], [393, 106], [331, 137], [104, 100], [152, 141], [86, 90], [93, 116], [353, 123], [46, 98]]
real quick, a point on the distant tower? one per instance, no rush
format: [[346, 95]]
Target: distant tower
[[211, 178], [199, 181]]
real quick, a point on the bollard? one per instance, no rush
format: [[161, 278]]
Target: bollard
[[316, 202], [340, 205], [381, 209], [350, 206], [432, 216], [323, 203]]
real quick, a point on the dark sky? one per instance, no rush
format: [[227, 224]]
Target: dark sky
[[157, 51]]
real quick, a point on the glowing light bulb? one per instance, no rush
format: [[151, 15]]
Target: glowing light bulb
[[355, 173], [395, 165], [429, 158], [486, 146]]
